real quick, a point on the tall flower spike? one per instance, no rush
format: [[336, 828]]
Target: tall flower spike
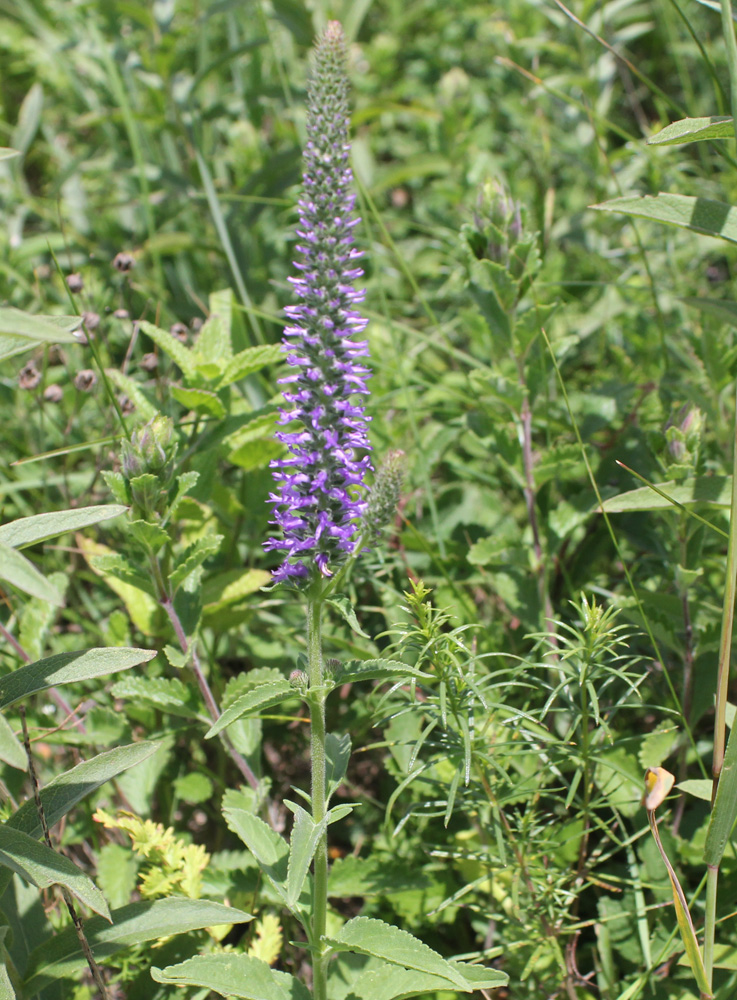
[[321, 480]]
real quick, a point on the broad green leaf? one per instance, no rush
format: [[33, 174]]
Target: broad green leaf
[[239, 976], [232, 586], [693, 130], [252, 702], [394, 983], [12, 750], [700, 788], [337, 754], [367, 936], [199, 400], [346, 610], [21, 573], [166, 693], [66, 668], [114, 564], [42, 329], [148, 534], [39, 527], [61, 957], [65, 790], [373, 670], [251, 360], [724, 812], [214, 343], [171, 346], [117, 873], [10, 346], [43, 867], [302, 846], [269, 849], [142, 607], [714, 490], [193, 557], [700, 215]]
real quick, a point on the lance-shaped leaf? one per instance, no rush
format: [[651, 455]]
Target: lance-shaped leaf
[[305, 836], [253, 702], [40, 329], [390, 982], [724, 813], [713, 490], [268, 847], [66, 668], [249, 361], [62, 958], [700, 215], [39, 527], [21, 573], [693, 130], [374, 670], [239, 976], [658, 783], [41, 866]]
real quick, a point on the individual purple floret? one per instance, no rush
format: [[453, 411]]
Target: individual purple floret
[[320, 481]]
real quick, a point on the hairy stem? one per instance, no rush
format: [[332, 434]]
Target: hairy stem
[[319, 794]]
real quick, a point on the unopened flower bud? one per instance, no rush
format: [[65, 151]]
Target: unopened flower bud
[[124, 262], [53, 393], [150, 449], [85, 381], [299, 680], [385, 495], [29, 376], [121, 314], [91, 321], [75, 283]]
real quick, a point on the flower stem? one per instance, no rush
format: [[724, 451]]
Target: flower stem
[[318, 790]]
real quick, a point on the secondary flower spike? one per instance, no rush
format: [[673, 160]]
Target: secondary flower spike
[[321, 480]]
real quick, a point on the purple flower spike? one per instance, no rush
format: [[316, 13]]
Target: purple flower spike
[[320, 481]]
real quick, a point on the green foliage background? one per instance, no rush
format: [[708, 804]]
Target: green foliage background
[[500, 810]]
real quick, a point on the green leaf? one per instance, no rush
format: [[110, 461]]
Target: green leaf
[[12, 751], [393, 983], [61, 957], [21, 573], [714, 490], [252, 702], [193, 557], [724, 813], [251, 360], [230, 587], [148, 534], [366, 936], [693, 130], [721, 308], [344, 608], [66, 668], [700, 788], [41, 866], [42, 329], [6, 153], [337, 753], [374, 670], [214, 343], [39, 527], [200, 400], [171, 346], [144, 406], [117, 873], [239, 976], [302, 847], [269, 849], [166, 693], [700, 215], [113, 564]]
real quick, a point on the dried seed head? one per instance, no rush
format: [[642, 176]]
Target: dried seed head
[[86, 380], [91, 321], [124, 262], [75, 283], [180, 331], [53, 393], [150, 362], [121, 314], [29, 376], [126, 404]]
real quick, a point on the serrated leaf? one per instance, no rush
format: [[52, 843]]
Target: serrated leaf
[[149, 535], [657, 745], [394, 983], [302, 847], [21, 573], [117, 873], [251, 360], [214, 343], [171, 346], [140, 605], [145, 408], [67, 668], [700, 215], [41, 329], [345, 609], [693, 130], [337, 755], [193, 557], [241, 976], [367, 936], [374, 670], [41, 866], [232, 586], [256, 454], [61, 957], [30, 530], [713, 490], [269, 849], [169, 694], [113, 564], [199, 400], [252, 702]]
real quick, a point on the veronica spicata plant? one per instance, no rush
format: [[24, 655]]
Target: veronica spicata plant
[[325, 521]]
